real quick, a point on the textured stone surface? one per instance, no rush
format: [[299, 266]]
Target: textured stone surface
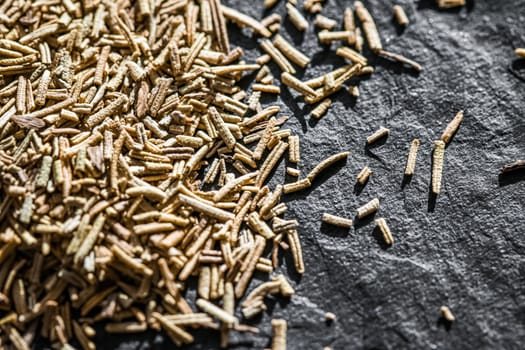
[[467, 251]]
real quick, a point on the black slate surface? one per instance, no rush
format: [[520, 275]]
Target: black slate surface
[[465, 250]]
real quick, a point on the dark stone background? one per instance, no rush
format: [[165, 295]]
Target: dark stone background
[[467, 251]]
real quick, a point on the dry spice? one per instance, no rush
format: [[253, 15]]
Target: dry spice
[[294, 83], [351, 55], [354, 91], [312, 6], [447, 314], [271, 89], [385, 231], [321, 108], [277, 56], [364, 175], [290, 51], [446, 4], [330, 316], [328, 162], [437, 165], [369, 26], [411, 159], [279, 334], [368, 208], [245, 20], [337, 220], [296, 17], [400, 15], [325, 22], [400, 58], [516, 165], [326, 37], [293, 172], [377, 135], [452, 127], [348, 19], [294, 154], [297, 253], [297, 186]]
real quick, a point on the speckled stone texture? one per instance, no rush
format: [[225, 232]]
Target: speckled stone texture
[[465, 249]]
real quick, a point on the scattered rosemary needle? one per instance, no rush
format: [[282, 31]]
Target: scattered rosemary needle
[[325, 22], [378, 135], [446, 4], [400, 15], [452, 127], [401, 59], [368, 208], [447, 314], [369, 26], [337, 220], [516, 165], [296, 17], [364, 175], [411, 159], [520, 52], [385, 231], [279, 334], [437, 166]]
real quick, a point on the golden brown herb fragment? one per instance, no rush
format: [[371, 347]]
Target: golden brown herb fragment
[[411, 159], [385, 231], [279, 334], [368, 208], [447, 314], [369, 26], [452, 127], [520, 52], [337, 220], [446, 4], [400, 15], [437, 165]]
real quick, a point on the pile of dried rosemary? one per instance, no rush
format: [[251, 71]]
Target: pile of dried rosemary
[[110, 114]]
